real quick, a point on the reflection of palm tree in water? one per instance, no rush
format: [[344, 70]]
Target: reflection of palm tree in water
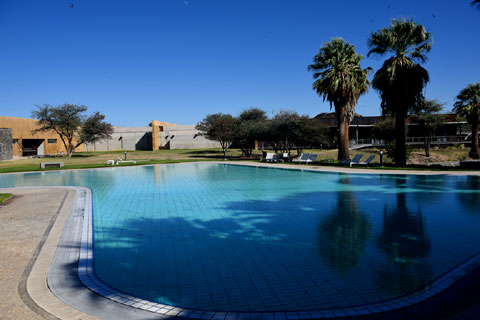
[[342, 235], [404, 241], [469, 194]]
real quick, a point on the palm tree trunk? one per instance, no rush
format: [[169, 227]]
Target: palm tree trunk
[[474, 150], [343, 140], [400, 132]]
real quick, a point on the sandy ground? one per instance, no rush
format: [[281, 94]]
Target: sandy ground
[[23, 221]]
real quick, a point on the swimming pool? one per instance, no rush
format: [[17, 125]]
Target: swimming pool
[[238, 238]]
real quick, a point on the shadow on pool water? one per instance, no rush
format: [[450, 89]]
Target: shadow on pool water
[[353, 254]]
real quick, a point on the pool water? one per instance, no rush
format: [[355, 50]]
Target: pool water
[[240, 238]]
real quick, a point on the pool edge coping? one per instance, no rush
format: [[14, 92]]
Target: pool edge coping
[[312, 167]]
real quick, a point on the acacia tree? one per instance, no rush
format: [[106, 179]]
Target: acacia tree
[[288, 130], [427, 118], [251, 127], [468, 106], [385, 130], [282, 130], [341, 81], [401, 78], [219, 127], [310, 133], [72, 125]]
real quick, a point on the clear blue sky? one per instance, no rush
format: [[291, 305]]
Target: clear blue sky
[[176, 60]]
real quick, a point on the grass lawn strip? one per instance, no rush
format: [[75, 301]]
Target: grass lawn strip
[[87, 160], [4, 197]]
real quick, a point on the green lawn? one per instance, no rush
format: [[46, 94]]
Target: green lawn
[[84, 160], [4, 197]]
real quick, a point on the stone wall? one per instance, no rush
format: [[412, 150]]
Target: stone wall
[[6, 147]]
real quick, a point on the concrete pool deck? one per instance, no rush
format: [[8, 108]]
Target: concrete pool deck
[[65, 283], [357, 169]]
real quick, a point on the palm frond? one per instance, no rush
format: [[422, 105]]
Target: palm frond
[[340, 78], [475, 3], [401, 79], [468, 102], [402, 38]]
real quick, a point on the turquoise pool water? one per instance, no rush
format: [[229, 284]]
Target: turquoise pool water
[[238, 238]]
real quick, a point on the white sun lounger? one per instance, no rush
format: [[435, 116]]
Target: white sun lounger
[[268, 158], [303, 158]]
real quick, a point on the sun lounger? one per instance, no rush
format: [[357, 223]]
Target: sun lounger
[[126, 161], [286, 157], [303, 157], [366, 162], [356, 159], [312, 158], [278, 157], [268, 158], [349, 162]]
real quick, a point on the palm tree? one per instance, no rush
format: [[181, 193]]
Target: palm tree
[[341, 81], [401, 79], [468, 106], [476, 3]]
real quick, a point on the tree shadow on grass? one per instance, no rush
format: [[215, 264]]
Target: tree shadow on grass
[[200, 152], [82, 155]]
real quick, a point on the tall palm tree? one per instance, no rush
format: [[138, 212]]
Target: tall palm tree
[[468, 106], [476, 3], [401, 79], [341, 81]]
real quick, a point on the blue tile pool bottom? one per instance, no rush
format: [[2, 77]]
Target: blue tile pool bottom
[[391, 234], [90, 280]]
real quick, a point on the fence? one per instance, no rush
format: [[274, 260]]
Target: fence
[[417, 140]]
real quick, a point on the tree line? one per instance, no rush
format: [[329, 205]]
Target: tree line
[[286, 131]]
